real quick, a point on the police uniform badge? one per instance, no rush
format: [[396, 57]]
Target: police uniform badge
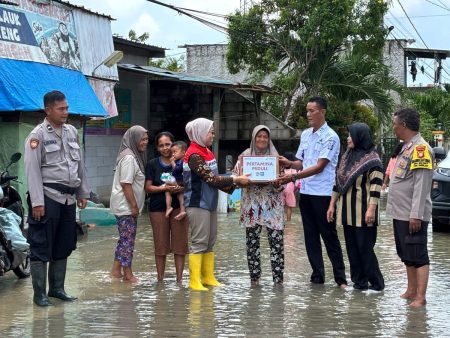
[[421, 158], [34, 142]]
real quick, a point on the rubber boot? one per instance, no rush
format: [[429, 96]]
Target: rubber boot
[[38, 271], [56, 278], [208, 270], [195, 267]]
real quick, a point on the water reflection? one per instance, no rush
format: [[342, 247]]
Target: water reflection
[[111, 308]]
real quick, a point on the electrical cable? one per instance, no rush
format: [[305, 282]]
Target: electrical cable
[[433, 3], [410, 21]]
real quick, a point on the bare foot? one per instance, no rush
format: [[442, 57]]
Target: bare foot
[[116, 275], [131, 279], [418, 303], [343, 286], [408, 295], [168, 212], [254, 283], [180, 216]]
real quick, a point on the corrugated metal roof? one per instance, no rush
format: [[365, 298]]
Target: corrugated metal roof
[[137, 44], [67, 3], [84, 9], [194, 79]]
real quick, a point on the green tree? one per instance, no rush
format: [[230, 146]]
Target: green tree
[[138, 38], [309, 47], [434, 107], [170, 63]]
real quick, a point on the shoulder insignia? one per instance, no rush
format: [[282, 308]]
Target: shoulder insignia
[[421, 158], [34, 142]]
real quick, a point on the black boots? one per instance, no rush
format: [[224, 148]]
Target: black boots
[[39, 280], [56, 278]]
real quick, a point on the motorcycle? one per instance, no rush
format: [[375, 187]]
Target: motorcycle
[[12, 257]]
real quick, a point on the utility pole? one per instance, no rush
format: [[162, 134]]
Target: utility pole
[[246, 5]]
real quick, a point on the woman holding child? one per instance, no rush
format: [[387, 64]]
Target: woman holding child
[[170, 234], [201, 184]]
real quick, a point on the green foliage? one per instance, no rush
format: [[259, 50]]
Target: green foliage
[[434, 108], [301, 45], [427, 125], [170, 63], [340, 114], [138, 38]]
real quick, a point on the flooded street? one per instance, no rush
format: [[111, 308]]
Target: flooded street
[[110, 308]]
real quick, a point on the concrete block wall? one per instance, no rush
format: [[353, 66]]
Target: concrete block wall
[[210, 61], [100, 157], [239, 118], [394, 58]]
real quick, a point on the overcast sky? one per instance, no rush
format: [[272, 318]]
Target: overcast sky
[[169, 29]]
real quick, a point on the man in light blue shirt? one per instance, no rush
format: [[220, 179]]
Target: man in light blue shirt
[[318, 156]]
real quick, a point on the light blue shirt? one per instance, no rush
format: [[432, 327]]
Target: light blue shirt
[[324, 143]]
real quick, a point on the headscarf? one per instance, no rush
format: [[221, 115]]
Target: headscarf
[[358, 160], [198, 129], [253, 150], [129, 146]]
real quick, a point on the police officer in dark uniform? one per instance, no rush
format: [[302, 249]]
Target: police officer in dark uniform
[[56, 180]]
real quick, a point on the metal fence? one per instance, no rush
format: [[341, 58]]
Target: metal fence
[[386, 148]]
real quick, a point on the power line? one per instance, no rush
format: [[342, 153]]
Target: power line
[[443, 4], [206, 22], [410, 21], [423, 16], [433, 3]]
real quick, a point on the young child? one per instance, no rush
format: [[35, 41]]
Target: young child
[[178, 150]]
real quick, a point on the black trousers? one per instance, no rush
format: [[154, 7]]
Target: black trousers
[[54, 237], [315, 225], [276, 244], [411, 248], [364, 267]]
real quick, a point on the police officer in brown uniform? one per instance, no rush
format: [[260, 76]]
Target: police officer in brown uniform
[[56, 180], [409, 203]]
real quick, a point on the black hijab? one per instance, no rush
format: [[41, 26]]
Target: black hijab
[[358, 160]]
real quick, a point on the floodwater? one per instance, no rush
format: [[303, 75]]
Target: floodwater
[[110, 308]]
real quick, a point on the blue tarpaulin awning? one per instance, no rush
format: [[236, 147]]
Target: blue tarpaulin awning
[[23, 85]]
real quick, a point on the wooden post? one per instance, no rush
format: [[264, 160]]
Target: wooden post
[[257, 103], [216, 106]]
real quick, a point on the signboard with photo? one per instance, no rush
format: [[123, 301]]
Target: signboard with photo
[[30, 36]]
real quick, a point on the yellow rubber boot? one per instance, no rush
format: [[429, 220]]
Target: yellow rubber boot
[[208, 270], [195, 267]]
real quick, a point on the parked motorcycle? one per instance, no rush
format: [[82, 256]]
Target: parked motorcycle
[[14, 254]]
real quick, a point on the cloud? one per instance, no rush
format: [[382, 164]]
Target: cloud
[[146, 24]]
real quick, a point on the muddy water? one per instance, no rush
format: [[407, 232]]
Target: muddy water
[[110, 308]]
